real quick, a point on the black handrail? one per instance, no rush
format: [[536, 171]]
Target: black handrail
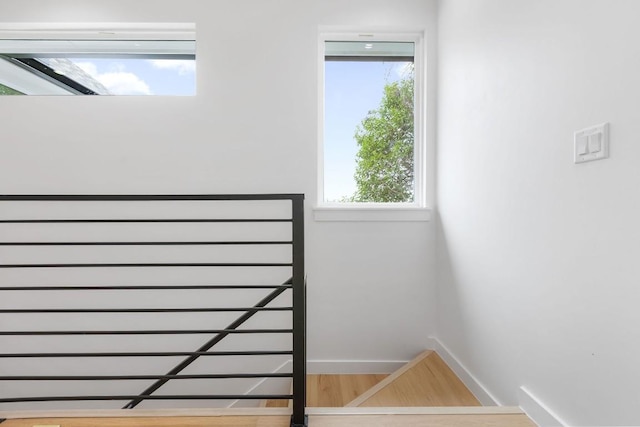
[[296, 284]]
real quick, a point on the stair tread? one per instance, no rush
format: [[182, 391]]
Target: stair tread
[[478, 420], [426, 381], [338, 390]]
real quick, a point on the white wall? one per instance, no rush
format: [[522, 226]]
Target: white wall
[[538, 282], [251, 128]]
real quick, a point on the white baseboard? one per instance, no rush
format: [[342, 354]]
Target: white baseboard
[[472, 383], [353, 366], [538, 411]]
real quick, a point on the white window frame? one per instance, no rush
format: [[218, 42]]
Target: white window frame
[[413, 211], [136, 40]]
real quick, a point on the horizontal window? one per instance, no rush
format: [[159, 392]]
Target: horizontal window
[[100, 62]]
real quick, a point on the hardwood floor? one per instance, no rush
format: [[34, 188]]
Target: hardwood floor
[[226, 421], [333, 390], [424, 392], [476, 420], [422, 421], [426, 381], [338, 390]]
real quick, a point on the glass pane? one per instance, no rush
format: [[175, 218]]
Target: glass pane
[[129, 76], [369, 131], [154, 64], [6, 90]]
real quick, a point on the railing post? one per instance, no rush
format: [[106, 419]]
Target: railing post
[[299, 418]]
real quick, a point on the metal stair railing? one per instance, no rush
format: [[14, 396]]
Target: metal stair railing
[[295, 284]]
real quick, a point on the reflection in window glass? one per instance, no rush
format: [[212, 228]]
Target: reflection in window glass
[[95, 62], [129, 76], [6, 90]]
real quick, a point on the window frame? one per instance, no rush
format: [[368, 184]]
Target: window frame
[[23, 45], [416, 210]]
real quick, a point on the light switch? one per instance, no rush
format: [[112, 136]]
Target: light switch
[[591, 143], [583, 145], [595, 143]]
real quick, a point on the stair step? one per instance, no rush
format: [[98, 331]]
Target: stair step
[[318, 417], [331, 390], [425, 381], [338, 390], [280, 403]]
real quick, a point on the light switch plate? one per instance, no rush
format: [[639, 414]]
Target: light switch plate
[[591, 143]]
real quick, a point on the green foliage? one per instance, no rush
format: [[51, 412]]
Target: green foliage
[[6, 90], [384, 171]]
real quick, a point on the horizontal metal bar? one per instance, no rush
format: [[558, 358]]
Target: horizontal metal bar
[[140, 377], [225, 243], [146, 197], [146, 265], [142, 310], [208, 345], [150, 332], [147, 397], [146, 354], [139, 287], [136, 221]]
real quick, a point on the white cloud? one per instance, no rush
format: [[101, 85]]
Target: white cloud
[[124, 83], [117, 82], [183, 67]]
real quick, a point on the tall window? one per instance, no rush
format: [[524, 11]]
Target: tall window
[[371, 128]]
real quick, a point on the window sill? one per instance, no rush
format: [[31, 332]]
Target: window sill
[[371, 213]]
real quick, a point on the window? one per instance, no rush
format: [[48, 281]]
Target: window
[[371, 144], [116, 60]]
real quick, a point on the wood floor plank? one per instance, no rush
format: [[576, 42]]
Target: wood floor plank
[[421, 421], [428, 383], [247, 421], [279, 403], [363, 397], [488, 420], [337, 390]]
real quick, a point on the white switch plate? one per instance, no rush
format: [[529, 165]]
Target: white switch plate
[[591, 144]]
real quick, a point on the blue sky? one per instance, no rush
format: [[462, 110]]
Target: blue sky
[[352, 89], [142, 76]]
